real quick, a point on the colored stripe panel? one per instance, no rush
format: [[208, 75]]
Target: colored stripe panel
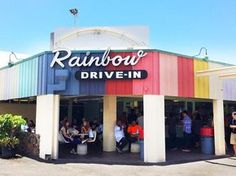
[[9, 83], [90, 87], [28, 78], [150, 85], [229, 87], [213, 81], [119, 87], [201, 89], [13, 84], [168, 75], [185, 77]]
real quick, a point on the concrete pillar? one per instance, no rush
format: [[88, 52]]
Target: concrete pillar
[[218, 119], [154, 128], [47, 124], [109, 120], [219, 131]]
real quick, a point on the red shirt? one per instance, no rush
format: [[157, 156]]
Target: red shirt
[[136, 130]]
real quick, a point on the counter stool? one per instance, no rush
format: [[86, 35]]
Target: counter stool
[[135, 148], [82, 149]]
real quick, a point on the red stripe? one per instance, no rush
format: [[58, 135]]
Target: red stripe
[[185, 77], [119, 87], [150, 85]]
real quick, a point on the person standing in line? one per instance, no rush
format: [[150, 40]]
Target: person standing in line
[[187, 131], [233, 132]]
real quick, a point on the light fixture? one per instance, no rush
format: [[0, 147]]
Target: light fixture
[[10, 62], [74, 12], [200, 52]]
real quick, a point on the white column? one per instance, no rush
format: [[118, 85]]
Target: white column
[[47, 124], [219, 132], [218, 119], [154, 128], [109, 120]]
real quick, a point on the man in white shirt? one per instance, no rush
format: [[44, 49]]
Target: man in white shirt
[[121, 141]]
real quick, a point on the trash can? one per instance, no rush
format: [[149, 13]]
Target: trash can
[[141, 143], [207, 140]]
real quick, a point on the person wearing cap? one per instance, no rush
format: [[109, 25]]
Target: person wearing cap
[[233, 132]]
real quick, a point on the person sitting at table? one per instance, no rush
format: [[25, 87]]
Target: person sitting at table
[[85, 127], [68, 137], [61, 123], [99, 130], [134, 131], [86, 131], [91, 132], [73, 131], [121, 140], [83, 120]]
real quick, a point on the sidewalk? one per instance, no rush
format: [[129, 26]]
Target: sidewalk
[[29, 167]]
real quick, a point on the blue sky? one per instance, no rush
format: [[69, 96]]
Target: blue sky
[[181, 26]]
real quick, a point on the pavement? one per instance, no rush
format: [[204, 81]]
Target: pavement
[[29, 167]]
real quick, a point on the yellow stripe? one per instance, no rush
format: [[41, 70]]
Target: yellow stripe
[[201, 83]]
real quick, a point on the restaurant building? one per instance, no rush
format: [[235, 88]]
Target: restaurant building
[[151, 78]]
